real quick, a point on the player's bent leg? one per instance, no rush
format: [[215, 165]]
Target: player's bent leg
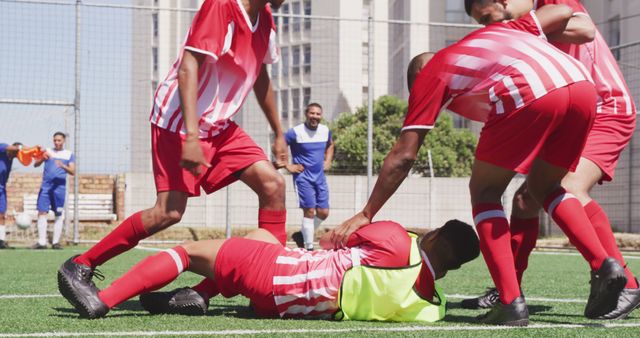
[[487, 185], [195, 300], [269, 185], [607, 276], [75, 275]]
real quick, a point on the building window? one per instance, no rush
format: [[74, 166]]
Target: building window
[[454, 12], [285, 19], [295, 21], [307, 59], [154, 54], [365, 95], [307, 96], [284, 95], [307, 12], [154, 17], [285, 61], [274, 70], [295, 102]]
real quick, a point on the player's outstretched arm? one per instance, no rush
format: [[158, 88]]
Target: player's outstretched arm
[[394, 170], [328, 155], [266, 99], [560, 24]]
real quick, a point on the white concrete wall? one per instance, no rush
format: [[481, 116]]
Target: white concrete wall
[[419, 202]]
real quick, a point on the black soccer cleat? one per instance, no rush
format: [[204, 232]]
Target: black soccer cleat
[[606, 286], [486, 301], [183, 301], [57, 246], [628, 301], [75, 284], [298, 238], [514, 314], [38, 246]]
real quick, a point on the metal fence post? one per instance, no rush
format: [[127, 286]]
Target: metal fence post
[[76, 129], [370, 106]]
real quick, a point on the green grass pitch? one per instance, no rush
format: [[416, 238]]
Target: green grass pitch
[[555, 284]]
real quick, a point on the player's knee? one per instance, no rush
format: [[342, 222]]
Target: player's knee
[[309, 212], [524, 206], [322, 213], [163, 219], [578, 189], [485, 194], [274, 186]]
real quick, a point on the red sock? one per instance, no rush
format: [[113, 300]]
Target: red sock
[[274, 221], [122, 238], [600, 223], [493, 231], [207, 286], [150, 274], [568, 213], [524, 234]]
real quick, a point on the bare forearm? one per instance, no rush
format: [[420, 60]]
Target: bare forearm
[[579, 30], [188, 89]]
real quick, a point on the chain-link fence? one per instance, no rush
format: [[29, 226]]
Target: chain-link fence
[[89, 68]]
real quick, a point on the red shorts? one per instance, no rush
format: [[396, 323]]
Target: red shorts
[[609, 136], [228, 152], [247, 267], [553, 128]]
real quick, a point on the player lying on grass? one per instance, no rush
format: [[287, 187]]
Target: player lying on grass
[[383, 273], [612, 130], [540, 105]]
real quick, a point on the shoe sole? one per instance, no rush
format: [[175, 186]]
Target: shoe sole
[[64, 286]]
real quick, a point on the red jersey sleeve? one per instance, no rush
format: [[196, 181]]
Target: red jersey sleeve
[[428, 95], [528, 23], [273, 52], [386, 244], [210, 31]]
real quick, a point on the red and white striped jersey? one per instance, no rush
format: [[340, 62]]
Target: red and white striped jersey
[[613, 94], [498, 65], [235, 51], [306, 283]]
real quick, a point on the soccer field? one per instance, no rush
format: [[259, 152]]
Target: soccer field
[[556, 287]]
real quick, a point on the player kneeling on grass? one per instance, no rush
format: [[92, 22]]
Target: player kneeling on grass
[[383, 273]]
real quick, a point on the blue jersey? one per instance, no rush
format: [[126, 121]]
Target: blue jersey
[[5, 165], [307, 148], [53, 173]]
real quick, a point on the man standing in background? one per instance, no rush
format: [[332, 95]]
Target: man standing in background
[[58, 162], [7, 154], [312, 152]]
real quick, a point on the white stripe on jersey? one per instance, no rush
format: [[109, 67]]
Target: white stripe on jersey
[[305, 310], [532, 77], [295, 279], [495, 99], [620, 85], [549, 68], [513, 91], [310, 294]]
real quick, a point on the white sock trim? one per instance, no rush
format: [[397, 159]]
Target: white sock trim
[[316, 222], [556, 201], [489, 214], [3, 232], [176, 259]]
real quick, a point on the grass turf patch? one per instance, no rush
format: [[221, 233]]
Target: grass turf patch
[[30, 272]]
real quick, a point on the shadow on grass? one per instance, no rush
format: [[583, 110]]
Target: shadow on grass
[[238, 311]]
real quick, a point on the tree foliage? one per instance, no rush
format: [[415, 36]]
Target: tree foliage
[[451, 149]]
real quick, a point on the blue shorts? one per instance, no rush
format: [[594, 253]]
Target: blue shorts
[[3, 200], [51, 197], [312, 194]]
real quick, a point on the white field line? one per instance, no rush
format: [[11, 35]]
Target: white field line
[[345, 330], [29, 296], [562, 253]]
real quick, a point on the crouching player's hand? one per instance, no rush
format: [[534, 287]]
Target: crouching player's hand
[[338, 237]]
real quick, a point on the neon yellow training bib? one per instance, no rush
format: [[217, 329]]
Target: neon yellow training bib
[[386, 294]]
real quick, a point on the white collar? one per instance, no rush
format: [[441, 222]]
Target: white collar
[[426, 261], [248, 19]]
